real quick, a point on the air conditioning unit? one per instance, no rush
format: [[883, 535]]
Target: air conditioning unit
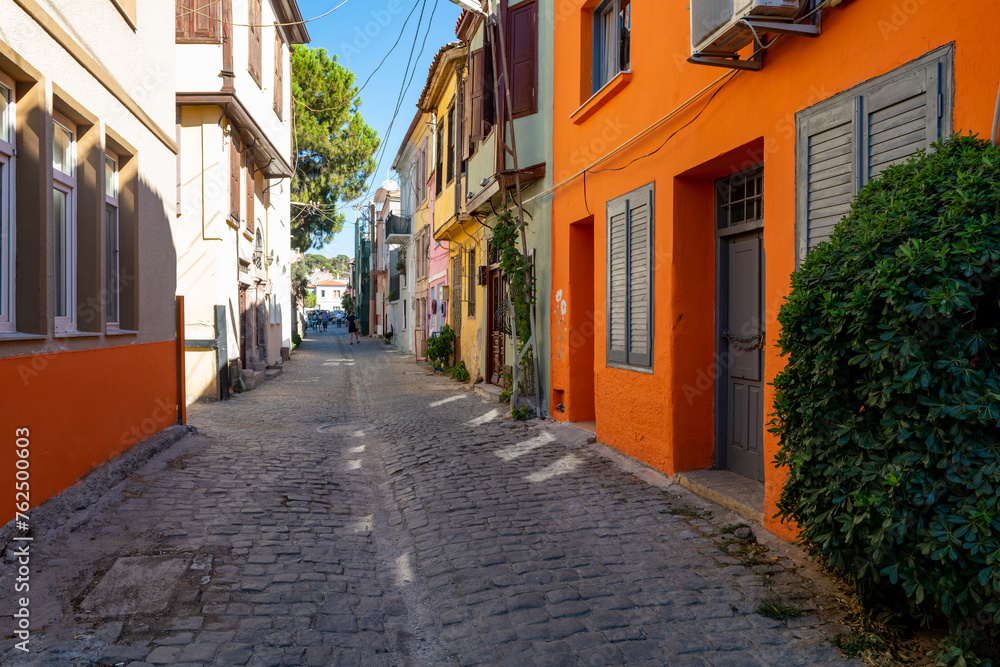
[[718, 28]]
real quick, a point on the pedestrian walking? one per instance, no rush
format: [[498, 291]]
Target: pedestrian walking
[[352, 328], [326, 321]]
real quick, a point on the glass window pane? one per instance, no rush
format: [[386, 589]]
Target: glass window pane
[[5, 112], [62, 149], [4, 241], [59, 243], [111, 263], [110, 178]]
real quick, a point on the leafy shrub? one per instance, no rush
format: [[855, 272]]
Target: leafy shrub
[[296, 339], [889, 406], [522, 413], [441, 346], [460, 373]]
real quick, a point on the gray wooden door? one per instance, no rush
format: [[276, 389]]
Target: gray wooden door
[[743, 357], [740, 321]]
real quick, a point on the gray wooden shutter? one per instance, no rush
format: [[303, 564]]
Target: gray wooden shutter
[[846, 141], [640, 274], [900, 118], [826, 173], [617, 309]]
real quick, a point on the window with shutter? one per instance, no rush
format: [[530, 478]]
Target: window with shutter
[[439, 158], [250, 192], [471, 277], [198, 21], [845, 141], [254, 52], [467, 148], [523, 23], [279, 74], [234, 176], [630, 278], [476, 71], [451, 144]]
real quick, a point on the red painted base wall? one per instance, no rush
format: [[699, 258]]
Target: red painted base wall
[[81, 408]]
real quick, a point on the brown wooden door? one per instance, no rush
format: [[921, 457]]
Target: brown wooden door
[[495, 319]]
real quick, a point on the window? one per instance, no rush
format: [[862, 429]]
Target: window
[[523, 58], [198, 21], [111, 241], [851, 138], [470, 276], [480, 95], [451, 143], [456, 291], [279, 74], [254, 48], [630, 278], [322, 293], [6, 204], [64, 222], [612, 50], [439, 157], [250, 192], [234, 176]]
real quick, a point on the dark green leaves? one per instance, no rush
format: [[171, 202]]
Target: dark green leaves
[[889, 406]]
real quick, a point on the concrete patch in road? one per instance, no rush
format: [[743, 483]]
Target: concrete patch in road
[[136, 585]]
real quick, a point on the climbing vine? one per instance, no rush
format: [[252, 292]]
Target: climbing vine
[[516, 267]]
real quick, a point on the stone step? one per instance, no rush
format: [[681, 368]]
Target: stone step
[[272, 372], [489, 391]]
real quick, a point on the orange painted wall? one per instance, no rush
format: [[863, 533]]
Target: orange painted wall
[[82, 408], [666, 418]]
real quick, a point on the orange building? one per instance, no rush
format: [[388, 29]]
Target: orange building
[[88, 351], [685, 195]]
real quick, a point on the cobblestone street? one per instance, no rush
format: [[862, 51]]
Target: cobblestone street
[[356, 511]]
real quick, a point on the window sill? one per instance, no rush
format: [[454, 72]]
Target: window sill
[[77, 334], [13, 335], [601, 97], [648, 370], [235, 224], [121, 332], [248, 235]]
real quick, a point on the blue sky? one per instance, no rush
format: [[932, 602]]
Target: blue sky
[[361, 33]]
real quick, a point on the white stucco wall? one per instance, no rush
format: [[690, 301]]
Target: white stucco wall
[[141, 62]]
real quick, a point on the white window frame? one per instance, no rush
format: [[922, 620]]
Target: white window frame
[[112, 248], [7, 211], [66, 183]]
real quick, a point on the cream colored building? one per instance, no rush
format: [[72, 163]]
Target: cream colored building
[[232, 230]]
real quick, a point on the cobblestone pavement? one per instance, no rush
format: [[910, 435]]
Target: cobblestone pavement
[[355, 511]]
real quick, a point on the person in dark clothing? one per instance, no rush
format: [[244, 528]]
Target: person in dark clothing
[[352, 328]]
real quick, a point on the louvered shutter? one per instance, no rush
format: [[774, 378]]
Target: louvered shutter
[[901, 118], [279, 74], [618, 254], [852, 138], [476, 71], [640, 274], [196, 21], [234, 175], [523, 57], [250, 193], [826, 171], [467, 114], [255, 57]]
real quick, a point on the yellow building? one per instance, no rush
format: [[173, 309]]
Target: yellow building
[[459, 242]]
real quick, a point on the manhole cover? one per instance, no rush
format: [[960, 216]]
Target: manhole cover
[[136, 585]]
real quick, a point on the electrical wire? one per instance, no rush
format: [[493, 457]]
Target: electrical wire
[[248, 25]]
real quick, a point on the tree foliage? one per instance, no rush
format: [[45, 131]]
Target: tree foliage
[[334, 148], [888, 409]]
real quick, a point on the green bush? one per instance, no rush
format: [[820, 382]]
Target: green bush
[[296, 339], [889, 406], [460, 373], [440, 347]]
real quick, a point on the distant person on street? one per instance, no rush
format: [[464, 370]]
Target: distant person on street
[[352, 328], [326, 321]]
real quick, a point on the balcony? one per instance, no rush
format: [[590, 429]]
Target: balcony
[[397, 230]]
